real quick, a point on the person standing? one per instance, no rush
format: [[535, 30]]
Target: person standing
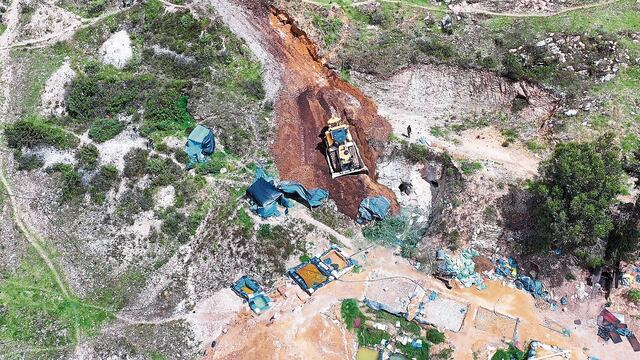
[[409, 131]]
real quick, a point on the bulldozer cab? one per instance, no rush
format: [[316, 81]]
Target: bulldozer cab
[[341, 151]]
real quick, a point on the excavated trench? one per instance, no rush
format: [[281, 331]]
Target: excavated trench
[[310, 94]]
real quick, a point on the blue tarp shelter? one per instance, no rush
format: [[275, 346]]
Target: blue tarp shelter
[[266, 196], [313, 197], [246, 287], [373, 208], [200, 145]]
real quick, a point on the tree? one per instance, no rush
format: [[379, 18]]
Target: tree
[[574, 195]]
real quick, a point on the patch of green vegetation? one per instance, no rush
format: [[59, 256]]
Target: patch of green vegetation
[[243, 220], [87, 156], [434, 336], [414, 152], [438, 131], [186, 190], [155, 355], [371, 337], [634, 295], [166, 114], [27, 162], [468, 167], [36, 312], [331, 28], [114, 294], [104, 92], [407, 326], [106, 179], [573, 197], [622, 16], [510, 135], [350, 311], [421, 353], [105, 129], [533, 145], [35, 131], [40, 64], [630, 143], [85, 8], [510, 353], [216, 162], [135, 163], [179, 226], [3, 27], [68, 180]]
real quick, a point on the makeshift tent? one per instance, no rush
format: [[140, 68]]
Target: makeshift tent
[[246, 287], [266, 195], [200, 145], [313, 197], [259, 303], [266, 198], [373, 208]]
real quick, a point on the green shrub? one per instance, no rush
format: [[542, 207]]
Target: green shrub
[[243, 220], [350, 311], [414, 152], [166, 114], [434, 336], [35, 131], [87, 157], [27, 162], [181, 156], [135, 163], [634, 295], [69, 181], [105, 129], [469, 167], [511, 353], [415, 353], [370, 337], [216, 162], [106, 179]]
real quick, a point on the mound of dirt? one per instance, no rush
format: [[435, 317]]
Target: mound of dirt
[[311, 94]]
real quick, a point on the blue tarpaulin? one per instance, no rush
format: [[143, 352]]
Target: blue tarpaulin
[[313, 197], [200, 145], [267, 196], [373, 208]]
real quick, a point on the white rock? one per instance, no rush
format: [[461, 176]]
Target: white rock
[[117, 50], [571, 112]]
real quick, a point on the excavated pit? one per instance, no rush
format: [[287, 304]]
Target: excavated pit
[[311, 93]]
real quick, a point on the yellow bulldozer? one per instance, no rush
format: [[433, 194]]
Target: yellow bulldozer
[[341, 151]]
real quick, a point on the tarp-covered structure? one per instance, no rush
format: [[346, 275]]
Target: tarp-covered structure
[[200, 145], [266, 195], [373, 208]]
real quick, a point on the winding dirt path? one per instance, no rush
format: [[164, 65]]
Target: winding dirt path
[[469, 9]]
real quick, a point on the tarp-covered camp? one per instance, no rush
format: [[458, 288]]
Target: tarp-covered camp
[[200, 145], [373, 208], [266, 195]]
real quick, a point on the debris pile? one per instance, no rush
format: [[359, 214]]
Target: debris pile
[[461, 268], [611, 327], [508, 268]]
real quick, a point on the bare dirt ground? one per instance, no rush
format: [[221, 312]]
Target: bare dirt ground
[[303, 327], [310, 94]]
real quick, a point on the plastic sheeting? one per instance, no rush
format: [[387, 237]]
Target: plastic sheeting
[[313, 197], [373, 208], [266, 195], [200, 145], [463, 269]]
